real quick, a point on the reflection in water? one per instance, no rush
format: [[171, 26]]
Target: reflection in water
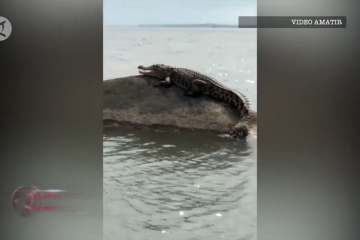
[[178, 186]]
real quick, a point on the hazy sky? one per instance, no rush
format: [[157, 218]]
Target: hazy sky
[[135, 12]]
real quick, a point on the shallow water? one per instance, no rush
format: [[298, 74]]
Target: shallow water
[[185, 186]]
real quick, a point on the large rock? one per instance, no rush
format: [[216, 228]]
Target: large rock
[[134, 102]]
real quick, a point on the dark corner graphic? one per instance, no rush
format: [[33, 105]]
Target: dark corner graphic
[[2, 24]]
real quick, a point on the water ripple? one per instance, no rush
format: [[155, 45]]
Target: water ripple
[[181, 191]]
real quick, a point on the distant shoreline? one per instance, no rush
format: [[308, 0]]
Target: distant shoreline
[[207, 25]]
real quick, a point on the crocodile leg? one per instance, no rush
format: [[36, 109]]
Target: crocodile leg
[[166, 83], [197, 87]]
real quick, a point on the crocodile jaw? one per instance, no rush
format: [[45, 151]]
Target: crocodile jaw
[[155, 74], [149, 71]]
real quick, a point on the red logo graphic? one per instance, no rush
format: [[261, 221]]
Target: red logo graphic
[[27, 199]]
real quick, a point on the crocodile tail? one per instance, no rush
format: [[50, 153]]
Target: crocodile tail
[[245, 110]]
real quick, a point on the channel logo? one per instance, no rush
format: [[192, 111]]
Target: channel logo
[[26, 200]]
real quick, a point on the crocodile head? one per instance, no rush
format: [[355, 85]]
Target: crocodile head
[[159, 71]]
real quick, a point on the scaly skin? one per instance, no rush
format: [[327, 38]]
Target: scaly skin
[[196, 83]]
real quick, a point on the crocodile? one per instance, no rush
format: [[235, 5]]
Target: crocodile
[[195, 83]]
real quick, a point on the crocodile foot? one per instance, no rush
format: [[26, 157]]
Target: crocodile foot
[[241, 131]]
